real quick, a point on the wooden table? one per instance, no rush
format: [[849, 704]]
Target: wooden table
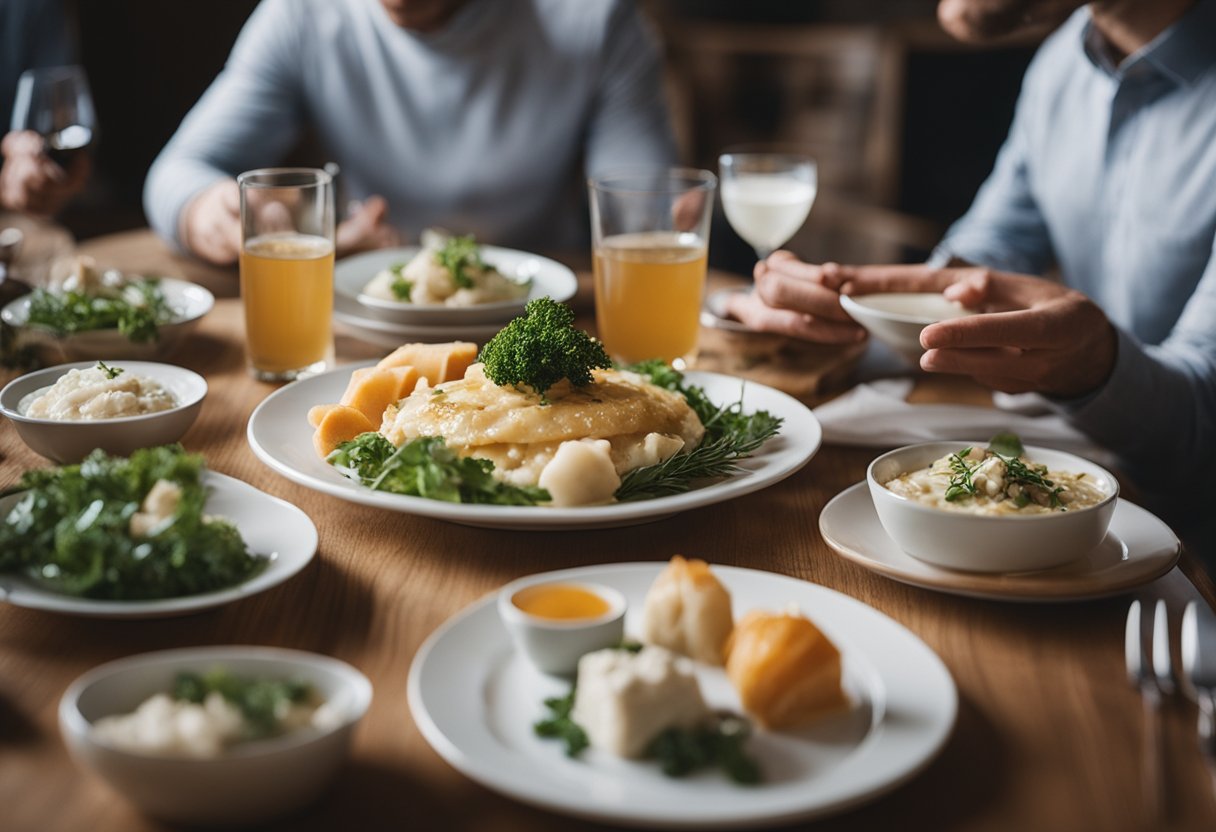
[[1048, 735]]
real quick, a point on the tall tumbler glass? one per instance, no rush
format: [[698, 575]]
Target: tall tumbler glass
[[287, 271], [650, 232]]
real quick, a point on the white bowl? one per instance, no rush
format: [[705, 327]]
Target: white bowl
[[549, 279], [190, 302], [978, 543], [64, 441], [897, 318], [556, 645], [249, 783]]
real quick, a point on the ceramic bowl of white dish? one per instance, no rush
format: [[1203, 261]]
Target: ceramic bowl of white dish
[[71, 439], [897, 318], [554, 623], [246, 782], [959, 538], [188, 301], [546, 278]]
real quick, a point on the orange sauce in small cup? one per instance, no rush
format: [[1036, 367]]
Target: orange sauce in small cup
[[560, 601]]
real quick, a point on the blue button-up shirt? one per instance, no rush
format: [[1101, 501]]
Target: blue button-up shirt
[[1109, 176]]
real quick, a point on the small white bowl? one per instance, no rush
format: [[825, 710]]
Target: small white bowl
[[978, 543], [556, 645], [249, 783], [190, 302], [72, 441], [897, 318]]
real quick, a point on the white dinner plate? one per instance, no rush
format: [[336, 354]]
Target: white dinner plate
[[1138, 548], [549, 279], [392, 335], [281, 437], [189, 301], [475, 700], [271, 528]]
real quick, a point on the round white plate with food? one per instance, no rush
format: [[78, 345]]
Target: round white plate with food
[[390, 334], [271, 528], [475, 700], [1138, 548], [281, 436], [351, 274], [188, 301]]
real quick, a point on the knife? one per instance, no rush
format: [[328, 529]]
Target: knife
[[1199, 663]]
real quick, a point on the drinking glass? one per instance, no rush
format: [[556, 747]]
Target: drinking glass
[[287, 271], [650, 237], [767, 196], [55, 103]]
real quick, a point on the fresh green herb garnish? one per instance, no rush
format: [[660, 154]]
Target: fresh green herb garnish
[[559, 725], [70, 530], [427, 467], [542, 347], [111, 372], [137, 311], [457, 256], [730, 435], [401, 288], [717, 743], [397, 268], [1019, 473], [260, 701], [960, 480], [1006, 445]]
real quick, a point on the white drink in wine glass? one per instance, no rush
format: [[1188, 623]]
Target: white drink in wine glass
[[767, 209]]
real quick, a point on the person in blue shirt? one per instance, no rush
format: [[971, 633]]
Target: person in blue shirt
[[1108, 178], [479, 116]]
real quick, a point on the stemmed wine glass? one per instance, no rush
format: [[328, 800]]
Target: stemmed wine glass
[[55, 103], [767, 196]]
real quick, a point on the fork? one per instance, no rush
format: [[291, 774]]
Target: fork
[[1199, 662], [1151, 671]]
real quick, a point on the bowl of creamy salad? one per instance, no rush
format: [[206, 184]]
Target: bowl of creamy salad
[[215, 735], [992, 506], [66, 411]]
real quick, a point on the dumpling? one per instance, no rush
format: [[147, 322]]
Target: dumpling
[[786, 671], [687, 610]]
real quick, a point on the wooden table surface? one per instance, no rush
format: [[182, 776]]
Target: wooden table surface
[[1048, 734]]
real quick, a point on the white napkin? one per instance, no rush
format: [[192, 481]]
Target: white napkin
[[877, 414]]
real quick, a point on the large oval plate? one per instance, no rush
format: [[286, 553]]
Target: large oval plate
[[271, 528], [549, 279], [281, 437], [475, 698]]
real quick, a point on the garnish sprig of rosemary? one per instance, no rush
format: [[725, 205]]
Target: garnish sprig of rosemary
[[111, 372], [960, 485], [1018, 472]]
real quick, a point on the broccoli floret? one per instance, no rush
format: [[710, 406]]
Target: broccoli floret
[[541, 347]]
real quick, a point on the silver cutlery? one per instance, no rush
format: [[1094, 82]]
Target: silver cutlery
[[1199, 664], [1150, 669]]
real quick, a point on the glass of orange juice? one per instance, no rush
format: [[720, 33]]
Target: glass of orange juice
[[287, 271], [650, 234]]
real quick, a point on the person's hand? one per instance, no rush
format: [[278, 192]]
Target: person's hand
[[211, 223], [798, 299], [367, 228], [1035, 336], [31, 182]]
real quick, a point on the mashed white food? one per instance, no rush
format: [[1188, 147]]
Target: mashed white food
[[577, 442], [975, 481], [426, 281], [92, 393]]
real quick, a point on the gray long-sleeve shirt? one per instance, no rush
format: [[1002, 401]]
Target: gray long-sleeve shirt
[[483, 127]]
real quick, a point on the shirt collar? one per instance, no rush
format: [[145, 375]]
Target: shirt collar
[[1181, 53]]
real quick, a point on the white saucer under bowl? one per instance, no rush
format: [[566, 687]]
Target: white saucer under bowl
[[1137, 548]]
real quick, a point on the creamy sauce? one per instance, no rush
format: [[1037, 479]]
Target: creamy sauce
[[563, 602], [88, 394], [997, 486]]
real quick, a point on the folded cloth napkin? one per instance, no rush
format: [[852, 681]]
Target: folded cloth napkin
[[877, 414]]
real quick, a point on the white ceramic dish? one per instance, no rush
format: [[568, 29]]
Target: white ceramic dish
[[270, 527], [556, 645], [190, 301], [475, 699], [978, 543], [72, 441], [1138, 548], [281, 437], [248, 784], [391, 335], [897, 318], [549, 279]]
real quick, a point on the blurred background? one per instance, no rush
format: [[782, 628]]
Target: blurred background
[[904, 121]]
